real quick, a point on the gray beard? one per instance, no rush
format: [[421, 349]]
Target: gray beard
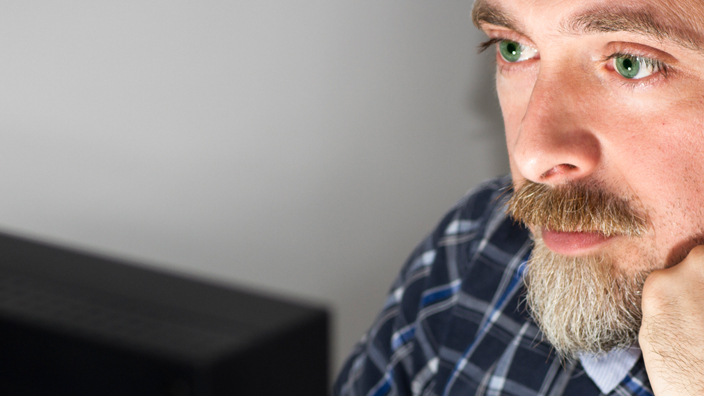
[[583, 304]]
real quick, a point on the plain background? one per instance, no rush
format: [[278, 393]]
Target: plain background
[[301, 148]]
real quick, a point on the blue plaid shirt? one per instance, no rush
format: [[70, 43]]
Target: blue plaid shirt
[[454, 323]]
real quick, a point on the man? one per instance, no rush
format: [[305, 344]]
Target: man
[[595, 282]]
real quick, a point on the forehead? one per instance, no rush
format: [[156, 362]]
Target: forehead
[[682, 16], [679, 7]]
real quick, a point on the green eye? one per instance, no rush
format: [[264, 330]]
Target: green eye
[[636, 67], [510, 50], [513, 52], [627, 66]]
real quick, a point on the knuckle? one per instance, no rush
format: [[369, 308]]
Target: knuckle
[[691, 268], [655, 290], [655, 281], [697, 252], [695, 258]]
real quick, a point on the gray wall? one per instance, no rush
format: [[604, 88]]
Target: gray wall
[[300, 147]]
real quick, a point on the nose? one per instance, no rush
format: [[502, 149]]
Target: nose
[[554, 143]]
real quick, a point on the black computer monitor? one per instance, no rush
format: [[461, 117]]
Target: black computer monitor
[[78, 324]]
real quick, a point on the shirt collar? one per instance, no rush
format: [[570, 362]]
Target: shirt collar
[[607, 371]]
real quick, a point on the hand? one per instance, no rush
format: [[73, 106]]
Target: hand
[[672, 334]]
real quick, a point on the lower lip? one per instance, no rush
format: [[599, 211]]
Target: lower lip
[[573, 243]]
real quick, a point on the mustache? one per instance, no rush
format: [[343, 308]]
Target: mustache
[[575, 207]]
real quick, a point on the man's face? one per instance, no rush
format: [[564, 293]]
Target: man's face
[[608, 95]]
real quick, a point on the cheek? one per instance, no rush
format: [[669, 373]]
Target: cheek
[[512, 112], [660, 159], [665, 153], [514, 91], [655, 137], [514, 96]]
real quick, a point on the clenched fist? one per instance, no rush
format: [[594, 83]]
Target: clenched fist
[[672, 334]]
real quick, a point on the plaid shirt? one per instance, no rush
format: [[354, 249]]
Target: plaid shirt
[[454, 323]]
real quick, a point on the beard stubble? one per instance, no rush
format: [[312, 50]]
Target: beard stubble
[[582, 304]]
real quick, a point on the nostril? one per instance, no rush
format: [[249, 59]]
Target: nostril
[[557, 170]]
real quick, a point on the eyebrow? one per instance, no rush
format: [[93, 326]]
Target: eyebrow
[[483, 12], [603, 20], [639, 21]]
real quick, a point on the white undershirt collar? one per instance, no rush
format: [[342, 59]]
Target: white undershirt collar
[[607, 371]]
